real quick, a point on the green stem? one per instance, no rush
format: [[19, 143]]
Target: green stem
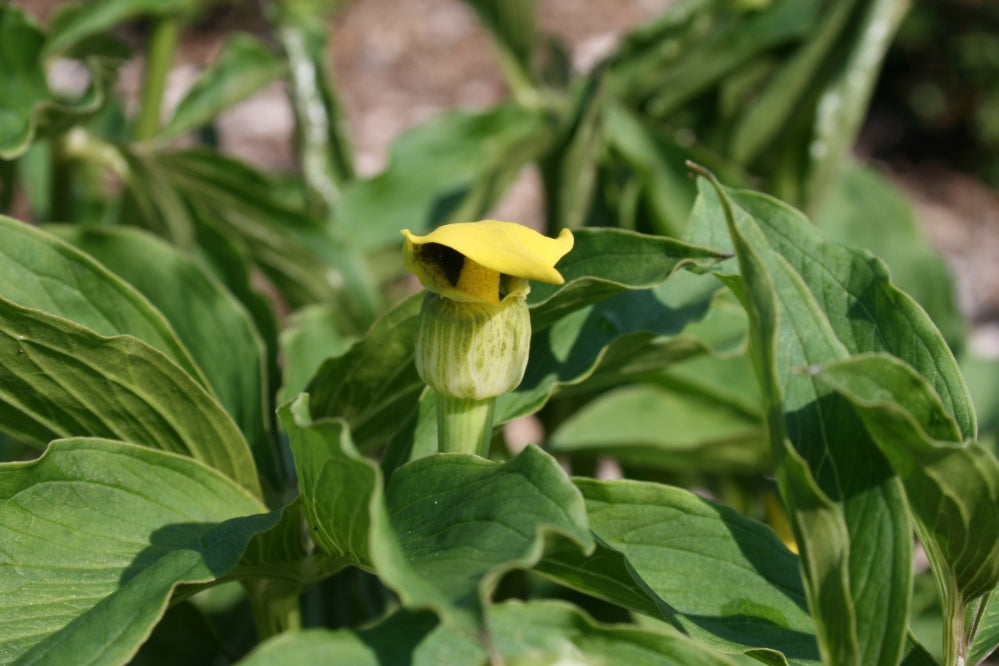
[[955, 643], [61, 182], [276, 607], [465, 425], [159, 59]]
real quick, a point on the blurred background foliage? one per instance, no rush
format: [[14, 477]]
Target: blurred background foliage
[[939, 91]]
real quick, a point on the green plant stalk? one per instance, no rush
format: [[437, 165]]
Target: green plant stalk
[[465, 425], [276, 606], [955, 643], [159, 59], [61, 182]]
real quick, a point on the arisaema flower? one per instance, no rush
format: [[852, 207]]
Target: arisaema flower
[[484, 262], [475, 328]]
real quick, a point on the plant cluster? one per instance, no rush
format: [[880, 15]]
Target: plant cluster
[[219, 447]]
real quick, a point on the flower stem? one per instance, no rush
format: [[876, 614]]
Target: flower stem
[[464, 425]]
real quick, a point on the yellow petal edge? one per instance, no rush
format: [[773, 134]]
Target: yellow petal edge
[[506, 247]]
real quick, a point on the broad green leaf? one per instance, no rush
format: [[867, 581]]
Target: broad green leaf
[[96, 536], [446, 528], [58, 379], [865, 310], [463, 521], [750, 601], [649, 425], [41, 272], [27, 106], [341, 491], [344, 500], [606, 573], [846, 507], [373, 385], [604, 262], [315, 646], [209, 320], [78, 21], [453, 168], [952, 488], [525, 633], [309, 338], [862, 194], [244, 66], [627, 335]]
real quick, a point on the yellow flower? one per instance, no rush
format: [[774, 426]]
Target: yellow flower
[[484, 262]]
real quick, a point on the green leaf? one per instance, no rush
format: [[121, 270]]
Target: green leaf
[[244, 66], [342, 492], [28, 108], [58, 379], [142, 522], [78, 21], [952, 488], [453, 168], [865, 310], [374, 385], [41, 272], [526, 633], [752, 601], [987, 637], [862, 194], [569, 172], [604, 262], [849, 516], [309, 338], [649, 425], [209, 321], [628, 335], [463, 521], [446, 528]]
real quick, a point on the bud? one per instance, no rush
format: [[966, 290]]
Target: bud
[[473, 350]]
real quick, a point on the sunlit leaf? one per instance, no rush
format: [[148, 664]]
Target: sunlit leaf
[[62, 380], [143, 522]]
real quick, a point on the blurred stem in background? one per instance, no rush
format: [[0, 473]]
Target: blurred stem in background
[[159, 60]]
